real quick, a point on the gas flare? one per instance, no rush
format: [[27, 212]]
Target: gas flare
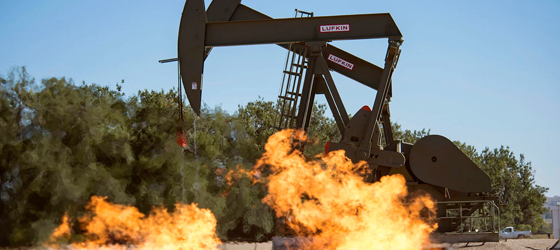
[[113, 226], [324, 197], [327, 198], [62, 231]]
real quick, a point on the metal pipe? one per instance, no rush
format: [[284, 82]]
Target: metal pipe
[[461, 215], [169, 60], [473, 201], [455, 217]]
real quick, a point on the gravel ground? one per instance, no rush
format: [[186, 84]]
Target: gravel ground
[[246, 246], [514, 244]]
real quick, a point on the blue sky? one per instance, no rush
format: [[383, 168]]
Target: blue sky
[[483, 72]]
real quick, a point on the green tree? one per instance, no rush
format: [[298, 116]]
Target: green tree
[[52, 151], [258, 120], [410, 136], [61, 143], [513, 182]]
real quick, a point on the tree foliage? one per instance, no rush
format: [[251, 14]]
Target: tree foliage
[[513, 182], [61, 143]]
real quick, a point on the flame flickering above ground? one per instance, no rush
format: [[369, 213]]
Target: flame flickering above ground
[[327, 198], [113, 226], [62, 231], [324, 197]]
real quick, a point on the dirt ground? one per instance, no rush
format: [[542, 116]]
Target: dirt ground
[[516, 244], [246, 246], [513, 244]]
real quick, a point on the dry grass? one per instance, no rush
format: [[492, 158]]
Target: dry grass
[[540, 236]]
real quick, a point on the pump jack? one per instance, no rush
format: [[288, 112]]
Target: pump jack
[[433, 165]]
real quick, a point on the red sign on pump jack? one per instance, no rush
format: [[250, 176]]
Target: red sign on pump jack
[[340, 61], [334, 28]]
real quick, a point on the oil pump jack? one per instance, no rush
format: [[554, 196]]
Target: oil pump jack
[[433, 164]]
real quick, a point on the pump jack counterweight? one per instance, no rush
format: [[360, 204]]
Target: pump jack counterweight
[[433, 164]]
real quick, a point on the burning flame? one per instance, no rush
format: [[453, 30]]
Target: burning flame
[[324, 197], [327, 198], [62, 231], [117, 226]]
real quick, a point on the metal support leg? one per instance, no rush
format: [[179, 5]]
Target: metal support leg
[[306, 94], [461, 215], [390, 63], [332, 89], [330, 100], [305, 106], [311, 103], [387, 129], [492, 218]]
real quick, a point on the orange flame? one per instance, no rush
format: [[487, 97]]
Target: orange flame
[[325, 197], [328, 199], [62, 231], [116, 226]]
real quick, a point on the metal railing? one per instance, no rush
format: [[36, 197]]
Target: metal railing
[[487, 210]]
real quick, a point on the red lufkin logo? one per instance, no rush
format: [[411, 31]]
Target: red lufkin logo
[[340, 62], [334, 28]]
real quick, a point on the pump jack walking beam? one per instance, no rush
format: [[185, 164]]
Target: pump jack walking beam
[[363, 72], [195, 33], [301, 30]]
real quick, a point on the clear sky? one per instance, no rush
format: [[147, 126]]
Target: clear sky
[[483, 72]]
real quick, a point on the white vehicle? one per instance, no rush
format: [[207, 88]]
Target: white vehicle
[[510, 233]]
